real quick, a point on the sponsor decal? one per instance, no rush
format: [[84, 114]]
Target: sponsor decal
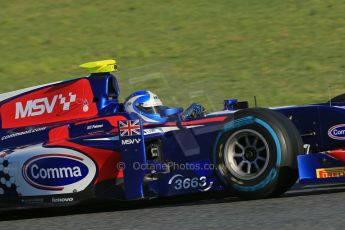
[[32, 201], [41, 106], [85, 106], [152, 131], [16, 134], [337, 132], [180, 182], [129, 128], [60, 102], [39, 171], [96, 126], [130, 141], [330, 172], [90, 128], [54, 171], [62, 200]]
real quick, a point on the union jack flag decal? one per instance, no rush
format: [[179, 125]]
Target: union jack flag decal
[[129, 128]]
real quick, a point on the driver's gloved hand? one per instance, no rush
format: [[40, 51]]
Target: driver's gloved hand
[[194, 111]]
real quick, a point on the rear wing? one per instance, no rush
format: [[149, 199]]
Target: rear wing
[[64, 101], [54, 103]]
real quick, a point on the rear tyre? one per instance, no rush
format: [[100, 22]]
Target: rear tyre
[[255, 153]]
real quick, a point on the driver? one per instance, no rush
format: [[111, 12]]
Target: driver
[[147, 106]]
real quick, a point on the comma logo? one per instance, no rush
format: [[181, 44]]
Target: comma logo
[[337, 132], [40, 106], [50, 173], [54, 171]]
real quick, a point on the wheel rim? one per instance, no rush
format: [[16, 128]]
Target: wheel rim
[[246, 154]]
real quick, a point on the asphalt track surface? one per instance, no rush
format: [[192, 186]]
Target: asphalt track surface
[[317, 207]]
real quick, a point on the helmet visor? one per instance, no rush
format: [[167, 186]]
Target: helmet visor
[[150, 109]]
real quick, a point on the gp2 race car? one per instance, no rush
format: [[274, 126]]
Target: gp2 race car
[[70, 141]]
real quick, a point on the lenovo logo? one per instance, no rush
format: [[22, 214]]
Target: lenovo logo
[[40, 106]]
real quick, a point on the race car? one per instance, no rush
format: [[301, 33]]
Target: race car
[[67, 142]]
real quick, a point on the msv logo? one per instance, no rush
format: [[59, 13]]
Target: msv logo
[[130, 141], [54, 171], [40, 106], [337, 132]]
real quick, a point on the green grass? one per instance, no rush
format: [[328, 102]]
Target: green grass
[[284, 52]]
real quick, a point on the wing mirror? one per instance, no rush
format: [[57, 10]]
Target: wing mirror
[[173, 113]]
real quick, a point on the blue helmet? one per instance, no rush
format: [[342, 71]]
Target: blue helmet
[[146, 105]]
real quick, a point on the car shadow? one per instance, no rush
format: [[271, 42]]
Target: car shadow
[[97, 206]]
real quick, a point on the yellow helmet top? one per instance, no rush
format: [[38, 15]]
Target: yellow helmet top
[[103, 66]]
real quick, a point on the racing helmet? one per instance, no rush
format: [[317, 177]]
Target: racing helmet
[[146, 105]]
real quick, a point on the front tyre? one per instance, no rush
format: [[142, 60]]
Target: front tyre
[[255, 153]]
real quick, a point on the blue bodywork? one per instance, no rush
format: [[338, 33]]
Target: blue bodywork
[[314, 122]]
